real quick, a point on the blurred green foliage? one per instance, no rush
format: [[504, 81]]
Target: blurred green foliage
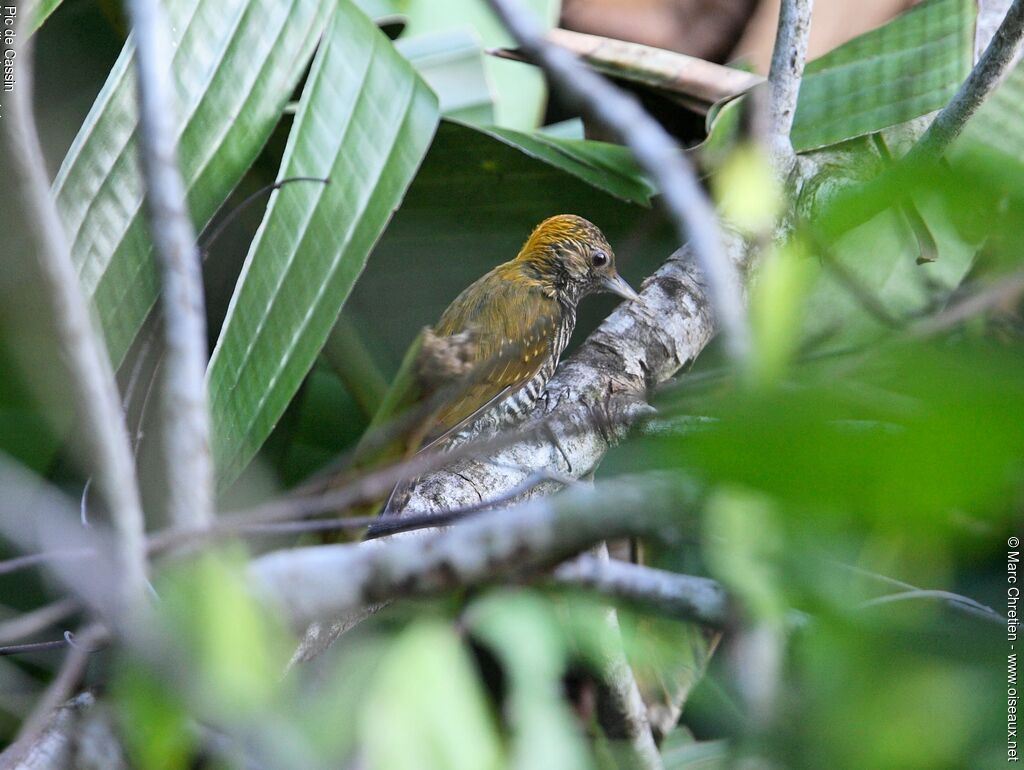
[[858, 442]]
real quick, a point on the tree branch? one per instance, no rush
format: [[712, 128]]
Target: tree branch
[[1001, 51], [320, 582], [186, 427], [682, 195], [75, 735], [787, 70], [64, 684], [621, 709], [34, 621], [682, 597], [90, 373]]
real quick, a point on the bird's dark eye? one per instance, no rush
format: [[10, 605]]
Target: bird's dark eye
[[599, 259]]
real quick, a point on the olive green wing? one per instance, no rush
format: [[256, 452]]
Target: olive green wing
[[513, 326], [510, 326]]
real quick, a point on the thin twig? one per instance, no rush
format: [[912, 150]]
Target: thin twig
[[52, 746], [1006, 290], [955, 601], [278, 517], [186, 428], [34, 559], [90, 373], [683, 197], [928, 250], [390, 525], [787, 70], [36, 620], [983, 79], [210, 238], [255, 524], [64, 684], [364, 488], [683, 597], [970, 605], [30, 647]]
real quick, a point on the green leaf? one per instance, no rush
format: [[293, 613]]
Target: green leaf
[[386, 13], [452, 63], [235, 65], [365, 121], [520, 89], [744, 543], [907, 68], [879, 257], [154, 720], [898, 438], [35, 13], [608, 167], [681, 752], [427, 710], [206, 608]]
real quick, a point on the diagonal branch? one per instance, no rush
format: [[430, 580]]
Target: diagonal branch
[[186, 426], [91, 375], [595, 393], [1002, 50]]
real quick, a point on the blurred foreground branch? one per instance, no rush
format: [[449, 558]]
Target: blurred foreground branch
[[683, 597], [186, 415], [319, 582], [90, 374], [623, 713]]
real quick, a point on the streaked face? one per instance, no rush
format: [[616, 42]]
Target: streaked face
[[587, 256]]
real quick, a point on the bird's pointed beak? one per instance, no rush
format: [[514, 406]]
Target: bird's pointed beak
[[616, 284]]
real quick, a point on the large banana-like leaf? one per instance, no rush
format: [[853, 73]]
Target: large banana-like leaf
[[520, 93], [608, 167], [235, 64], [365, 121], [909, 67], [452, 63]]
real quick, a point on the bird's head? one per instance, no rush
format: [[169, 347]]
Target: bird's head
[[572, 255]]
